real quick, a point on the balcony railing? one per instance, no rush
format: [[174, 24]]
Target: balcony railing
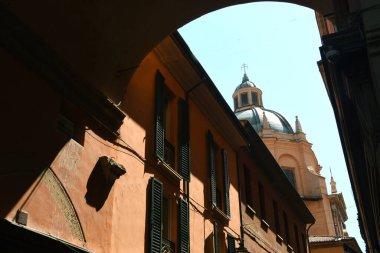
[[167, 246], [169, 154]]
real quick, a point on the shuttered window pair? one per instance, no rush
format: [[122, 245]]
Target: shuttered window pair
[[156, 210], [213, 176], [183, 130]]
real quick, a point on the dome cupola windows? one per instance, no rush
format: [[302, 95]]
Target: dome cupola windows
[[244, 99], [255, 98], [247, 95]]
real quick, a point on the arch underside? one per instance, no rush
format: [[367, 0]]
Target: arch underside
[[104, 41]]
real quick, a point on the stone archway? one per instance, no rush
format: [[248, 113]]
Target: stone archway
[[104, 42]]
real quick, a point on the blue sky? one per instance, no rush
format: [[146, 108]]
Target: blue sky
[[280, 44]]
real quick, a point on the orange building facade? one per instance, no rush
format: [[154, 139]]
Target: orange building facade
[[159, 172], [99, 44]]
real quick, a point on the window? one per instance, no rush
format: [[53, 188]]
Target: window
[[219, 239], [168, 244], [217, 242], [276, 218], [161, 222], [231, 244], [166, 129], [169, 106], [167, 241], [244, 99], [262, 201], [183, 139], [166, 218], [219, 178], [248, 187], [297, 238], [286, 224], [255, 98], [290, 175], [183, 227], [236, 105], [156, 203]]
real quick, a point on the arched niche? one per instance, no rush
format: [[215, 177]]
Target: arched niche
[[289, 161], [290, 164]]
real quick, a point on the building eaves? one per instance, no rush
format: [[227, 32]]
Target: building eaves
[[252, 140], [208, 85], [333, 241]]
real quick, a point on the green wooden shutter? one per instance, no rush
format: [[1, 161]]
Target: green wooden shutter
[[159, 121], [183, 140], [210, 140], [183, 227], [156, 204], [231, 244], [226, 183], [216, 243]]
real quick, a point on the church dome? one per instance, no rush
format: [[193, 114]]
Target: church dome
[[258, 116], [249, 106]]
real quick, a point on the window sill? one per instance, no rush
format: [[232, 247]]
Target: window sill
[[169, 171], [279, 239], [249, 210], [264, 225], [220, 214]]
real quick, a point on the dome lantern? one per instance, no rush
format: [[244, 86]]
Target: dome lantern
[[246, 94]]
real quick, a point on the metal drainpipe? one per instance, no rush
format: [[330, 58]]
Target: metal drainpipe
[[307, 236], [187, 183]]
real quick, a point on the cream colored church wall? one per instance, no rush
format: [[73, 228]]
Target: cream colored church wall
[[299, 157]]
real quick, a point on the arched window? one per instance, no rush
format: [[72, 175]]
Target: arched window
[[290, 175]]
